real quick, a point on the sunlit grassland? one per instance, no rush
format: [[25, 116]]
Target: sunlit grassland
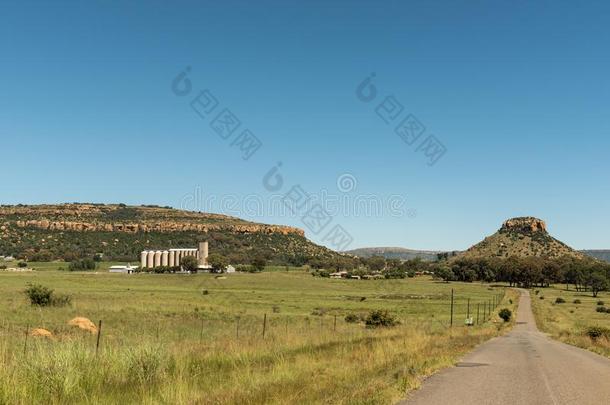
[[568, 321], [199, 339]]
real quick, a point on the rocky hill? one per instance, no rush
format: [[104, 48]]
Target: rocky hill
[[120, 232], [395, 253], [521, 237]]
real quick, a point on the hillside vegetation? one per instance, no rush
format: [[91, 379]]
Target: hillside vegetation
[[120, 232]]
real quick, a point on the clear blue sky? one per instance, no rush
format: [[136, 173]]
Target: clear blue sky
[[518, 92]]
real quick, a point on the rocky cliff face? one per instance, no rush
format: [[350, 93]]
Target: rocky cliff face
[[93, 218], [164, 227], [526, 225]]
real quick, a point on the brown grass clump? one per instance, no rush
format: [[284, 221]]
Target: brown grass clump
[[84, 324], [40, 332]]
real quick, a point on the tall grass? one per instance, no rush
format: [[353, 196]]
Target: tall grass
[[353, 365]]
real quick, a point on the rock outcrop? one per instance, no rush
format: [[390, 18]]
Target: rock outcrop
[[526, 225]]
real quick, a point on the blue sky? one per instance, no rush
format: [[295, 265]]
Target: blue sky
[[517, 93]]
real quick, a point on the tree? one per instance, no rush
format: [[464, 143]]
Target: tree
[[189, 263], [258, 263], [218, 262], [597, 282], [376, 263], [444, 273]]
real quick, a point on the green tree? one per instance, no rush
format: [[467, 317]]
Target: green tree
[[189, 263], [218, 262], [258, 263], [597, 282]]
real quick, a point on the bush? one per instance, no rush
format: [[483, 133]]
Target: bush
[[22, 265], [505, 314], [560, 300], [61, 300], [542, 297], [601, 309], [352, 318], [380, 318], [577, 301], [39, 295], [595, 332], [600, 303], [42, 296], [3, 267], [82, 264]]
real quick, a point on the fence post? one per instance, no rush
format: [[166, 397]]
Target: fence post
[[237, 328], [451, 321], [264, 325], [201, 332], [25, 344], [468, 310], [99, 334], [335, 324], [478, 306]]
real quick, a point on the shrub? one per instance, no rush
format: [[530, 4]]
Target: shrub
[[577, 301], [82, 264], [42, 296], [542, 297], [39, 295], [600, 303], [3, 267], [352, 318], [22, 265], [505, 314], [595, 332], [560, 300], [380, 318], [601, 309], [60, 300]]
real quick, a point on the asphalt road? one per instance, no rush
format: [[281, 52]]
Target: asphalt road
[[521, 367]]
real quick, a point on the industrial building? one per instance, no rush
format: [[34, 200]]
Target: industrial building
[[149, 259]]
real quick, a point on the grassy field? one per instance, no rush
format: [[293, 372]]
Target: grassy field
[[199, 338], [568, 321]]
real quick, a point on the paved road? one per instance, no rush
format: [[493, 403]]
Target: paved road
[[522, 367]]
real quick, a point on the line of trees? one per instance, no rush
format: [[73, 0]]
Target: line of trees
[[582, 274]]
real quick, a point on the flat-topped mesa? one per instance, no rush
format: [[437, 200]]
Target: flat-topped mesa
[[525, 225]]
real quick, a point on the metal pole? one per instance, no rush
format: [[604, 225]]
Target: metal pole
[[335, 324], [468, 310], [264, 325]]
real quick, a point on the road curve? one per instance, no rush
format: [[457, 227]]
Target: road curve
[[521, 367]]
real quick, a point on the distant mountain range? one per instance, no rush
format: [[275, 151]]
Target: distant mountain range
[[598, 254], [521, 237], [394, 253]]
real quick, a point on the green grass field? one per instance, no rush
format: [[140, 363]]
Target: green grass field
[[568, 321], [199, 338]]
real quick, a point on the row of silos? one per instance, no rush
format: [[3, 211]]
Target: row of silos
[[166, 258]]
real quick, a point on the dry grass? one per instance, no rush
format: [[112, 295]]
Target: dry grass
[[153, 352], [568, 321]]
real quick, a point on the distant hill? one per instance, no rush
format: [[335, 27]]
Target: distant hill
[[395, 253], [120, 232], [598, 254], [521, 237]]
